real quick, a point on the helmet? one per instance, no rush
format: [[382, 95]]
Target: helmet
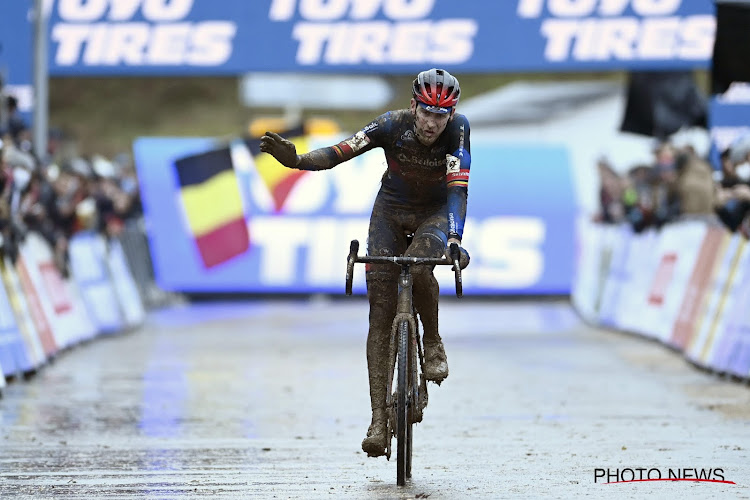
[[436, 90]]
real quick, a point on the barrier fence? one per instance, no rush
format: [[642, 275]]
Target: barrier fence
[[686, 285], [42, 312]]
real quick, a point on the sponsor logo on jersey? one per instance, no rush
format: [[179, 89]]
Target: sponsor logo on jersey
[[372, 126], [416, 160], [358, 141], [453, 164], [407, 136]]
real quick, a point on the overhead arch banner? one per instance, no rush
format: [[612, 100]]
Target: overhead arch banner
[[98, 37]]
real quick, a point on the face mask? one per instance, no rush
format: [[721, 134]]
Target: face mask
[[129, 185], [743, 171], [21, 178]]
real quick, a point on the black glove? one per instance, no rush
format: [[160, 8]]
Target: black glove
[[281, 149], [464, 259]]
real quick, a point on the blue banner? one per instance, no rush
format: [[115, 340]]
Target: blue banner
[[519, 228], [16, 54], [729, 117], [190, 37]]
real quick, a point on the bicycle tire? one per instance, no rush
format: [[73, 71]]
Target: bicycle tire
[[402, 412], [414, 400]]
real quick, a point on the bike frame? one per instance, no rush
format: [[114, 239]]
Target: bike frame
[[405, 351]]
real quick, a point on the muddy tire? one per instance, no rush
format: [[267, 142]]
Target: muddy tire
[[413, 391], [403, 424]]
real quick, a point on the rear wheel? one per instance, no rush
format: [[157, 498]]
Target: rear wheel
[[403, 423]]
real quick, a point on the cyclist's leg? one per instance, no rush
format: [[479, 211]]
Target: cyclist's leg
[[385, 237], [430, 240]]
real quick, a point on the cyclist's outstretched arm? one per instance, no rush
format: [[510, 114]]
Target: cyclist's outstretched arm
[[324, 158]]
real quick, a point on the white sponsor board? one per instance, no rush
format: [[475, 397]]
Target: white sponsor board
[[713, 306], [672, 263], [64, 310], [124, 284], [88, 263]]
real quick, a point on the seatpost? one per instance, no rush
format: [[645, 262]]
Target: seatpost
[[404, 285]]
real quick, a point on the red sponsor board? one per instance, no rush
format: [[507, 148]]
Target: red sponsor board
[[697, 288], [662, 278], [55, 287], [35, 308]]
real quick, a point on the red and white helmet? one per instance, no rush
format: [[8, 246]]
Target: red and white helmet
[[436, 90]]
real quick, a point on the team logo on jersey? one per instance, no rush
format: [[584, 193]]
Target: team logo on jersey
[[453, 164], [358, 141], [408, 135], [372, 126]]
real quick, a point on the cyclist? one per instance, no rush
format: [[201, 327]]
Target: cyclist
[[423, 192]]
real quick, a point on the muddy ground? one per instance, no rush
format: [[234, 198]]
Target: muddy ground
[[269, 400]]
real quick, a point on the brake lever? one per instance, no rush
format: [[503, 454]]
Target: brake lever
[[350, 260], [455, 254]]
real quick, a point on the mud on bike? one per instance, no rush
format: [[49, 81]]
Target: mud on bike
[[407, 388]]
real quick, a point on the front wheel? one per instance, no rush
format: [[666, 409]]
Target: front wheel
[[403, 422]]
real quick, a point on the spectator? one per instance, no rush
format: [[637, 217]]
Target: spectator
[[639, 197], [733, 204], [666, 203], [17, 128], [611, 192], [694, 186], [740, 155]]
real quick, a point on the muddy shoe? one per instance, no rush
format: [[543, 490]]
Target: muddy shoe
[[377, 439], [435, 362]]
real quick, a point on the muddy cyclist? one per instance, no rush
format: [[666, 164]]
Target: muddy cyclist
[[423, 193]]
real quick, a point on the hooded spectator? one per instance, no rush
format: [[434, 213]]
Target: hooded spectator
[[694, 185]]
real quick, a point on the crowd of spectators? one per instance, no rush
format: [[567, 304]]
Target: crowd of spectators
[[679, 183], [60, 194]]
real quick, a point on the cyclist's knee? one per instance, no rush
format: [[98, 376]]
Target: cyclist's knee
[[428, 243]]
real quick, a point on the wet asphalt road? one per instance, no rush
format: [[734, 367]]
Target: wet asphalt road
[[269, 400]]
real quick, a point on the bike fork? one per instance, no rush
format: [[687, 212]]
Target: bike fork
[[405, 285]]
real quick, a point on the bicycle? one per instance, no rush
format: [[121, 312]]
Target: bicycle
[[405, 405]]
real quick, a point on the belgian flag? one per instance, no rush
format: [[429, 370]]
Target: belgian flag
[[211, 199], [277, 178]]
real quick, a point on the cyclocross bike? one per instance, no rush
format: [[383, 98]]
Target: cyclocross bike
[[407, 398]]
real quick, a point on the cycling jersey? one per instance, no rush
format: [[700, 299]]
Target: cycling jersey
[[418, 176]]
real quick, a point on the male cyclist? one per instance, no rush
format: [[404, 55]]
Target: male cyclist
[[424, 192]]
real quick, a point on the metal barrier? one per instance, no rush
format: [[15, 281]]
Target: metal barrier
[[135, 245]]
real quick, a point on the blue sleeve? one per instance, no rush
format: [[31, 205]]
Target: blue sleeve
[[457, 179]]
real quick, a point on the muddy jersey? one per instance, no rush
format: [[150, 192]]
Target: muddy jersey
[[418, 176]]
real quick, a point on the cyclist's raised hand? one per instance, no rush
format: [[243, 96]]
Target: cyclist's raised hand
[[281, 149]]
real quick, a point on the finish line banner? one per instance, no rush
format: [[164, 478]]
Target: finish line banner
[[190, 37], [295, 226]]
